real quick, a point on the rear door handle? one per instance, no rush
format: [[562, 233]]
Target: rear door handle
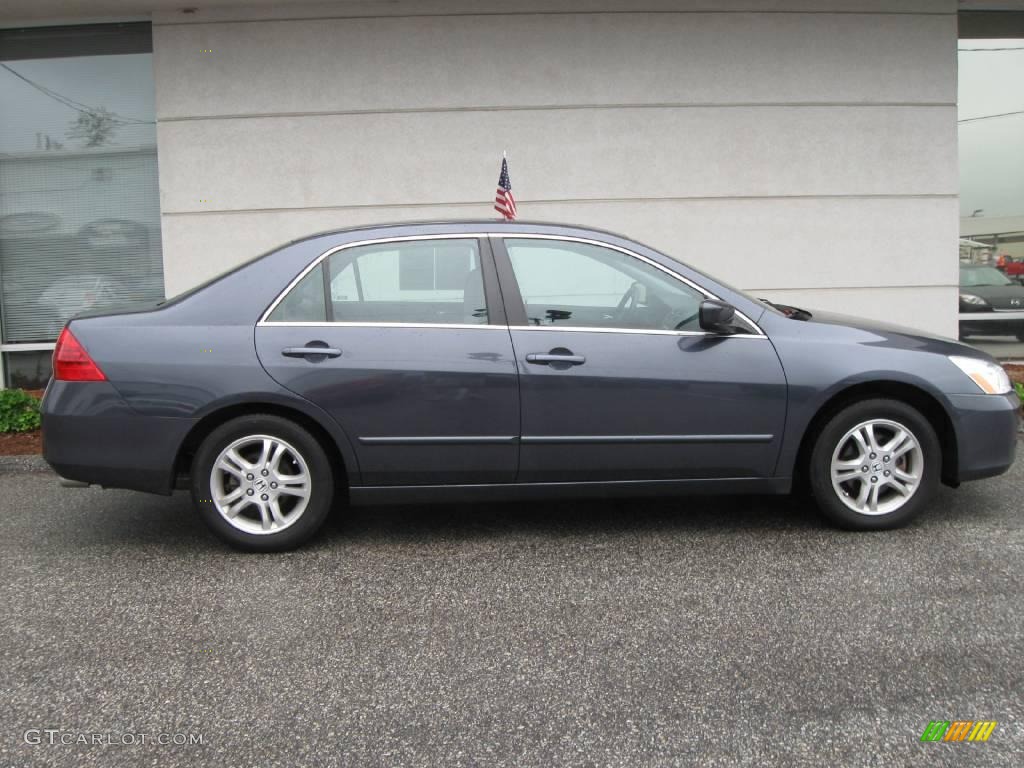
[[537, 359], [311, 352]]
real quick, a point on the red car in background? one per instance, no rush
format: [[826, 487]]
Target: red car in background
[[1011, 267]]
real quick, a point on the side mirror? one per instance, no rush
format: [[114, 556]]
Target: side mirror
[[717, 317]]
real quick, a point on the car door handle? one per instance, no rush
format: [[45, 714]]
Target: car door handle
[[537, 359], [310, 351]]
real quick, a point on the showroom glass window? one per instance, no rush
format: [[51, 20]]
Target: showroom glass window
[[990, 131], [79, 203]]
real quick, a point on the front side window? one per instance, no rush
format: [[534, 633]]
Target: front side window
[[580, 285]]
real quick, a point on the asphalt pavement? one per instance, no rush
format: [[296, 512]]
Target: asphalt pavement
[[1005, 348], [714, 632]]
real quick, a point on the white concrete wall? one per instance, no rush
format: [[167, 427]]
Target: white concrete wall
[[803, 149]]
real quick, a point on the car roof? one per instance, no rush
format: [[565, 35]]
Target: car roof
[[488, 225]]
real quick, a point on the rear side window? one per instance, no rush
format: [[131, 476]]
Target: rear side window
[[305, 302], [421, 281]]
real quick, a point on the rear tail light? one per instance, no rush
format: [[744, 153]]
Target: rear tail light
[[72, 363]]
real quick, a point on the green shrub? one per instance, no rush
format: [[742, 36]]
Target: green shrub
[[1020, 389], [19, 411]]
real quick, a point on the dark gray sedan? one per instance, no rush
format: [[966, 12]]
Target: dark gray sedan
[[991, 304], [482, 361]]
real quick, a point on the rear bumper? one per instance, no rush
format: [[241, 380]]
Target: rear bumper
[[92, 436], [986, 429]]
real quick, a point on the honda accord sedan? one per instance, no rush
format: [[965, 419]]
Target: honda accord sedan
[[484, 361]]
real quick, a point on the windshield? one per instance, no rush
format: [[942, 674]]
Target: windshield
[[970, 278], [757, 300]]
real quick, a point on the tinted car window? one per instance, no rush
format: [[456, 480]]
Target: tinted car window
[[422, 281], [581, 285], [305, 302]]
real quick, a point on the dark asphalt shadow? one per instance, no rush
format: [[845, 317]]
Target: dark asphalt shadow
[[571, 517], [127, 519]]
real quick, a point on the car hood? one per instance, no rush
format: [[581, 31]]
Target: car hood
[[892, 335]]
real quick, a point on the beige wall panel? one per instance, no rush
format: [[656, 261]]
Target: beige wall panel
[[400, 159], [169, 11], [458, 62]]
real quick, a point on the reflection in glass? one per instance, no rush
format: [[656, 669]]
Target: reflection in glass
[[79, 205]]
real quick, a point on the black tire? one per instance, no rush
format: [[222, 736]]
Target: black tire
[[829, 501], [306, 521]]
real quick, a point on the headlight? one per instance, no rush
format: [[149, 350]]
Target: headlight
[[970, 298], [990, 377]]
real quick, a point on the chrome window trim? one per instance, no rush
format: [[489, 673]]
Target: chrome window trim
[[345, 324], [641, 331], [466, 327], [376, 241], [760, 334]]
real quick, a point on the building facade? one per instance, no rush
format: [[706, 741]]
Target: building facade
[[805, 150]]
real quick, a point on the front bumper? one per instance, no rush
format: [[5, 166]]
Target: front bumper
[[995, 323], [986, 430], [92, 436]]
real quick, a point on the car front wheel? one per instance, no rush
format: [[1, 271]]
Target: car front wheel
[[262, 483], [875, 465]]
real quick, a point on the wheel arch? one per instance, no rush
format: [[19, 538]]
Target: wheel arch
[[345, 465], [915, 396]]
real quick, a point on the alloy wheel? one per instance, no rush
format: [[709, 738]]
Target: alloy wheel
[[877, 467], [260, 484]]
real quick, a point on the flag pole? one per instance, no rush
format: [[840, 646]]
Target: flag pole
[[504, 159], [504, 202]]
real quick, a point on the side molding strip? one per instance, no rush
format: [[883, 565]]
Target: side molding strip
[[441, 440], [562, 439]]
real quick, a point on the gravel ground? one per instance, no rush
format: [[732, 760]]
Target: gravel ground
[[712, 632]]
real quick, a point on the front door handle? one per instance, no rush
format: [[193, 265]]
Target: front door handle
[[567, 358], [311, 351]]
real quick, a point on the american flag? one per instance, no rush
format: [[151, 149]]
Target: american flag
[[504, 201]]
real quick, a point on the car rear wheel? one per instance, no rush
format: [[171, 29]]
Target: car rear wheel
[[875, 465], [262, 483]]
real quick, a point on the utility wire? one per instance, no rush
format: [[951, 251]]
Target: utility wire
[[75, 105], [1013, 48], [989, 117]]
